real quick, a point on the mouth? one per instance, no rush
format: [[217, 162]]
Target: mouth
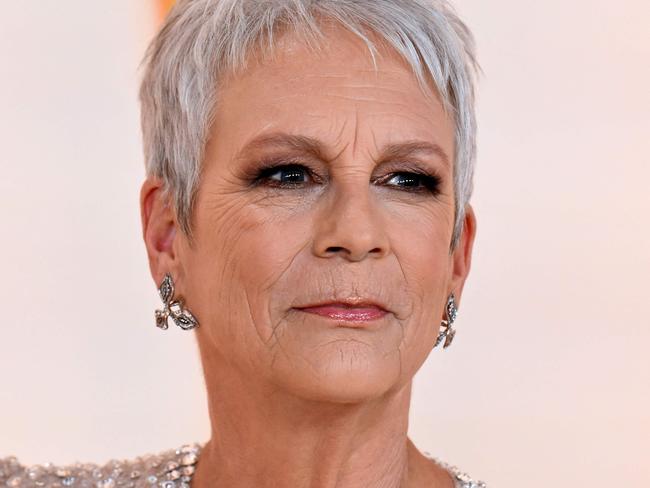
[[358, 312]]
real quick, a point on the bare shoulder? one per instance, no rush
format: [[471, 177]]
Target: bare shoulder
[[426, 471], [172, 468]]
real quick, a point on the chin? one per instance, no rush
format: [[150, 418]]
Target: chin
[[344, 372]]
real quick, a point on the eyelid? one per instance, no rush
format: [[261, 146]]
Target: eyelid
[[280, 161], [407, 166]]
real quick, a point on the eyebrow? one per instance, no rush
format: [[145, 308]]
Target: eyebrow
[[315, 148]]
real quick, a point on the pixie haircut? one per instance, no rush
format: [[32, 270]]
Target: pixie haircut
[[202, 41]]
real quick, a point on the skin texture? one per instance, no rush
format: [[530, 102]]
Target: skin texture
[[296, 400]]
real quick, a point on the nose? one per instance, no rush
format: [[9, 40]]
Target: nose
[[350, 225]]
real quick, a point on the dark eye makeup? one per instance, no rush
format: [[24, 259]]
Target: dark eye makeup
[[292, 176]]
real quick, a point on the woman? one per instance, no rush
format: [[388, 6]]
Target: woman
[[306, 212]]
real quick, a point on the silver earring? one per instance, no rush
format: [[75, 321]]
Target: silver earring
[[173, 308], [448, 332]]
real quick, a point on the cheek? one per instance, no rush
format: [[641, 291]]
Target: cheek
[[245, 249], [272, 254], [420, 240]]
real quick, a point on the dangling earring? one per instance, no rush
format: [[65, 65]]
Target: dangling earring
[[180, 315], [448, 333]]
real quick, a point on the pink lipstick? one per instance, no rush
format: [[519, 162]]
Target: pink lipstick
[[341, 311]]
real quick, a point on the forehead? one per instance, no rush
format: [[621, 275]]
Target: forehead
[[330, 94]]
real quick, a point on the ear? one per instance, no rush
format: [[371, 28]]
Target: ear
[[462, 255], [159, 229]]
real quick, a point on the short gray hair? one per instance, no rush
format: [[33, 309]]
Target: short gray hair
[[202, 40]]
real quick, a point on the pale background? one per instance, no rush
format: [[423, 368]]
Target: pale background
[[548, 380]]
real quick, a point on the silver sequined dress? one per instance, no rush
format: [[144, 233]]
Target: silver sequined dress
[[168, 469]]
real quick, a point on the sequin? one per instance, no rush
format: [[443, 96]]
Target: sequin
[[168, 469], [107, 483], [461, 479], [14, 481]]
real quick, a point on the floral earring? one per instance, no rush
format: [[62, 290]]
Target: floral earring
[[448, 333], [174, 308]]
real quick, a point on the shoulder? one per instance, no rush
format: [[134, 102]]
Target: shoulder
[[172, 468], [462, 479]]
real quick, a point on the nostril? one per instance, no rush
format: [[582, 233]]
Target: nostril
[[335, 249], [377, 251]]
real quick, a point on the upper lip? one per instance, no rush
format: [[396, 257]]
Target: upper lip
[[352, 302]]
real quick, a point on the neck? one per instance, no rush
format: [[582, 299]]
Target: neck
[[264, 437]]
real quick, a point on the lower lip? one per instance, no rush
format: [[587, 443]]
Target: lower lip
[[347, 314]]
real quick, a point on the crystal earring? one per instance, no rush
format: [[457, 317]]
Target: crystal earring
[[173, 308], [448, 333]]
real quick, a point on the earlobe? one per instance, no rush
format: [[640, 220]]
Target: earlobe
[[158, 228]]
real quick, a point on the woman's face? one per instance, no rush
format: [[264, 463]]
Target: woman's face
[[348, 219]]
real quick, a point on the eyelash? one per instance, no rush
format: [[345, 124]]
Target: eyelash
[[429, 182]]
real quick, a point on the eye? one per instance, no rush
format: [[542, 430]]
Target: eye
[[295, 175], [284, 175], [417, 182]]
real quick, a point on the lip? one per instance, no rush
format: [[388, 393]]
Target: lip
[[354, 310]]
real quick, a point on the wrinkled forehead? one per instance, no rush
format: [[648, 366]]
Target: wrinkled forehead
[[328, 89]]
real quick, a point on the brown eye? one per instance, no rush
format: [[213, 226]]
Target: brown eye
[[289, 174], [416, 182], [284, 175]]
